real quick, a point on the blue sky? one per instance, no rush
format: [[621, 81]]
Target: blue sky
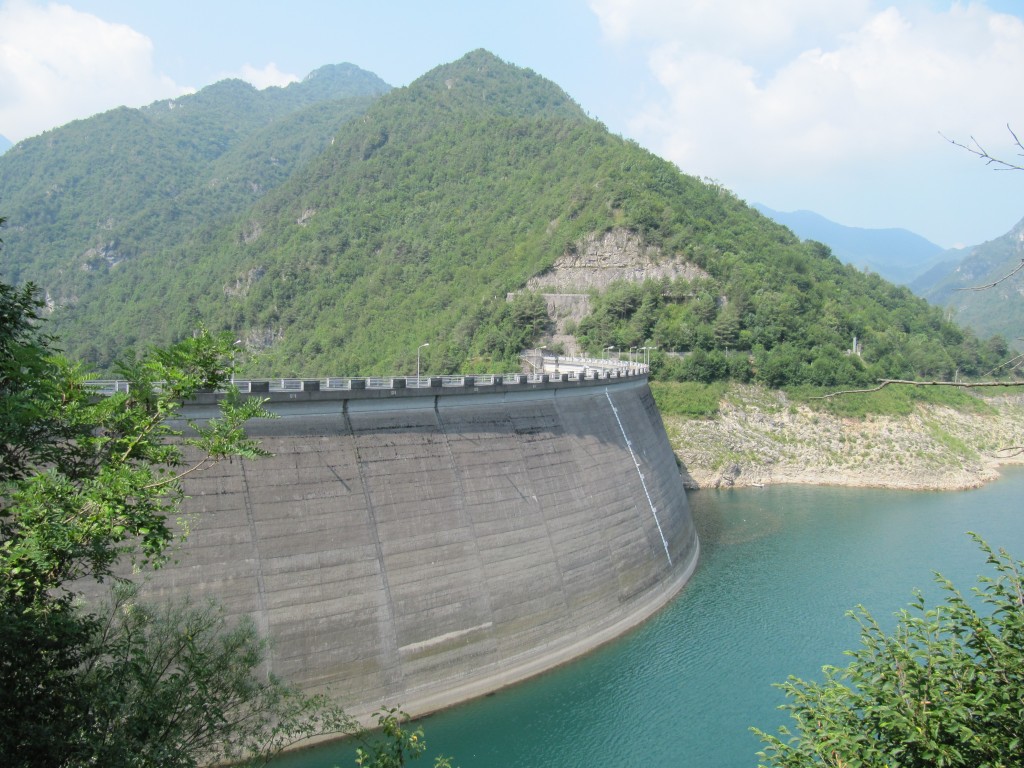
[[835, 106]]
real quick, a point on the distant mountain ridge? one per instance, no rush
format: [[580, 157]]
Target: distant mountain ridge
[[940, 276], [5, 144], [896, 254], [998, 308]]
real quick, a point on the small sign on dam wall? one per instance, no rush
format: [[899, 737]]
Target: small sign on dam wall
[[424, 545]]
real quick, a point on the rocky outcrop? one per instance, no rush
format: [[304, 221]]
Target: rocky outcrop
[[593, 264], [603, 258], [106, 256], [258, 339], [244, 282]]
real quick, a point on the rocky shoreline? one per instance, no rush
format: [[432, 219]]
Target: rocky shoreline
[[761, 438]]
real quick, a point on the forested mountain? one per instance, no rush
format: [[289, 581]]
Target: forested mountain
[[898, 255], [131, 183], [998, 309], [423, 221]]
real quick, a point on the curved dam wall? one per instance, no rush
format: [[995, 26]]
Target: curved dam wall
[[425, 546]]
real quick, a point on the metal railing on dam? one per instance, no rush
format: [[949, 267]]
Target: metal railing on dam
[[424, 541], [579, 371]]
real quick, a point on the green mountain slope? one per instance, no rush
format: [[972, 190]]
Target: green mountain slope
[[995, 310], [418, 220]]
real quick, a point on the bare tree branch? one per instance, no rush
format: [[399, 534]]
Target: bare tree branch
[[999, 164], [1013, 361], [886, 382], [985, 287], [1009, 452], [975, 148]]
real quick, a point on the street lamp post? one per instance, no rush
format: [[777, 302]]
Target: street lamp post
[[421, 346], [647, 354]]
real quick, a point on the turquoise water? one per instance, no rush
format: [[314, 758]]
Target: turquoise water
[[780, 567]]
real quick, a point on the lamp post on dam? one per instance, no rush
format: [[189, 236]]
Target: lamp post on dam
[[421, 346]]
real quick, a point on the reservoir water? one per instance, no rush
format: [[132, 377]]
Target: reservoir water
[[780, 566]]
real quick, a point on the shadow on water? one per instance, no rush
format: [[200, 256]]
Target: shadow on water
[[719, 525]]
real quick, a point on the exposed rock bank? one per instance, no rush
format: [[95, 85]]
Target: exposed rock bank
[[761, 438]]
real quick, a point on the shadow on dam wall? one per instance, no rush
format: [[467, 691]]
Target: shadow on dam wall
[[426, 549]]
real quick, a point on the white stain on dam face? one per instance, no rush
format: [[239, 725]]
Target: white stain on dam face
[[424, 644]]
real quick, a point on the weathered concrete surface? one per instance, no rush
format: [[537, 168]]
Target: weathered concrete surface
[[427, 548]]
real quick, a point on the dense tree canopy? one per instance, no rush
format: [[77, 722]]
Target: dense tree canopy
[[837, 327]]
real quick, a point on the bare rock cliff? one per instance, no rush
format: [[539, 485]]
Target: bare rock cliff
[[593, 264], [602, 258]]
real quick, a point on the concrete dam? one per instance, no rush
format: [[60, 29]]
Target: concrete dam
[[424, 541]]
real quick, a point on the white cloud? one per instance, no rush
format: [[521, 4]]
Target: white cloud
[[753, 89], [270, 75], [751, 29], [58, 64]]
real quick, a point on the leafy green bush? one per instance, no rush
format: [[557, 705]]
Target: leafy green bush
[[86, 482], [690, 399], [944, 688]]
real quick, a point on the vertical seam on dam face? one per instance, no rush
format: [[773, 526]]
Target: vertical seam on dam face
[[461, 505], [523, 449], [640, 473], [261, 584], [389, 637]]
